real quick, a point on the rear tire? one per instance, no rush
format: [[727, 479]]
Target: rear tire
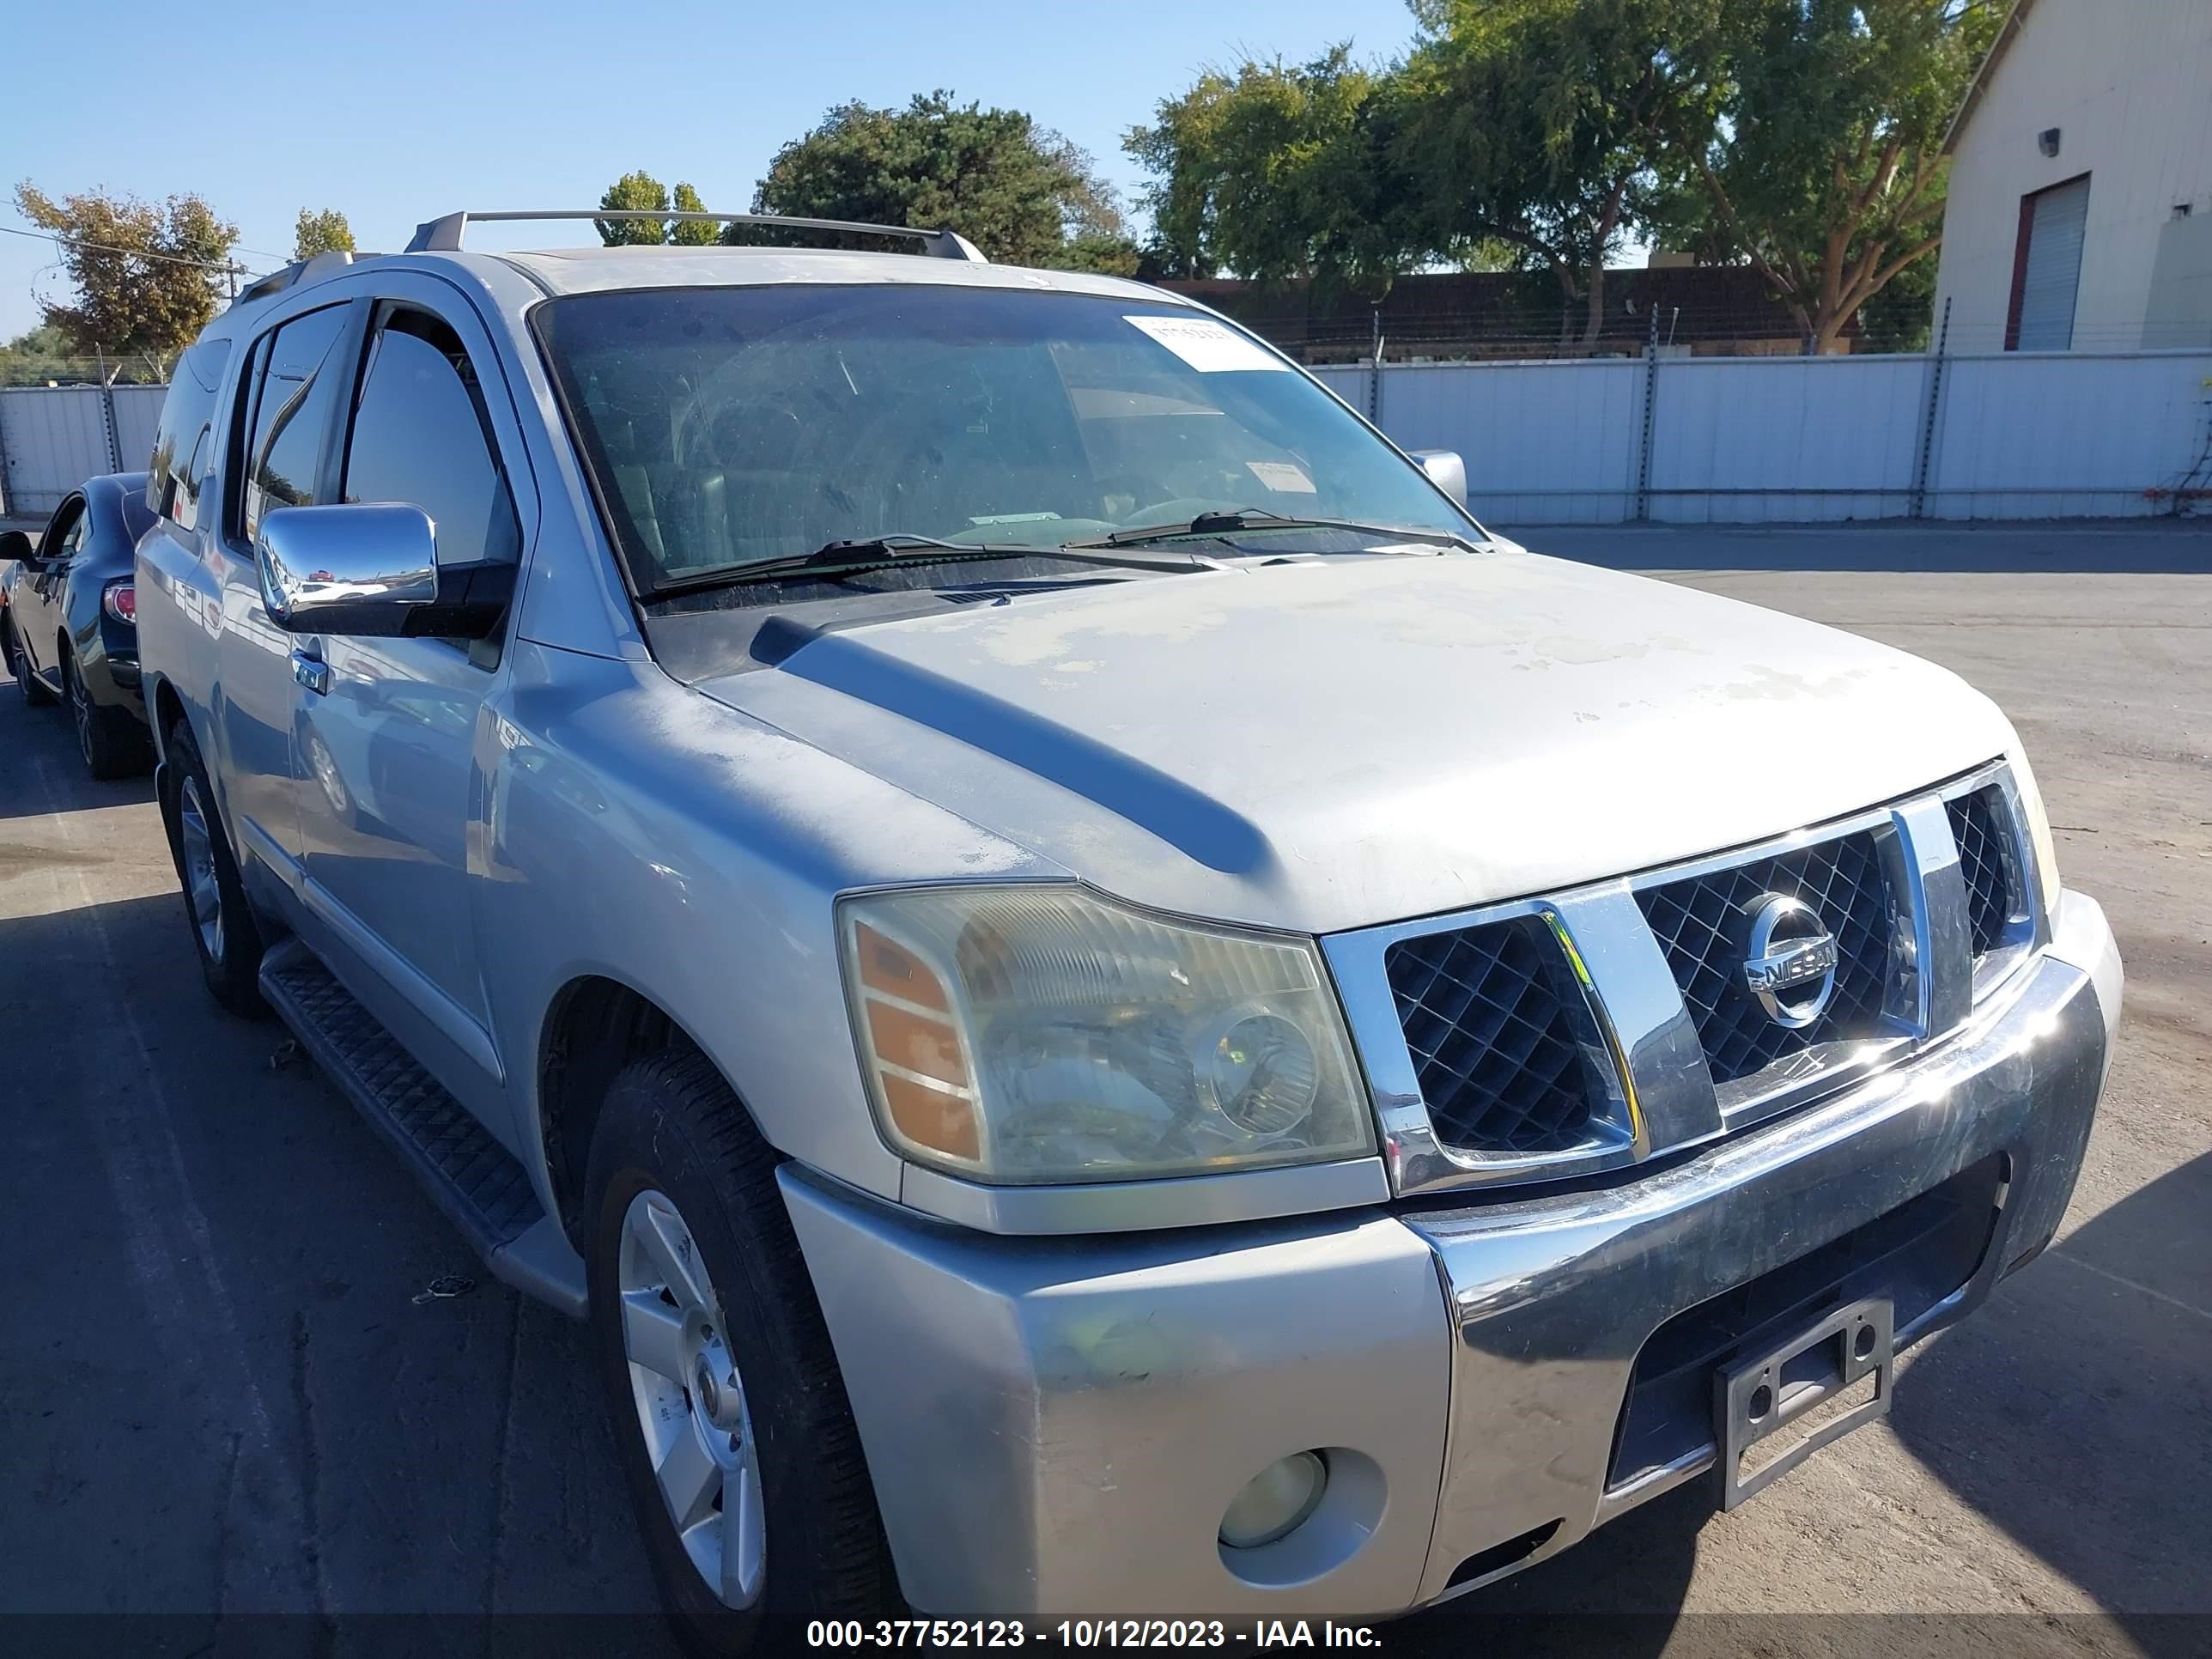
[[676, 1157], [224, 932], [19, 664], [113, 744]]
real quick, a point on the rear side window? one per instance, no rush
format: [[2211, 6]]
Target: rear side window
[[304, 382], [180, 447], [420, 436]]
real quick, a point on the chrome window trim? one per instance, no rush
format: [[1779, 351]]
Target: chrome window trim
[[1659, 1095]]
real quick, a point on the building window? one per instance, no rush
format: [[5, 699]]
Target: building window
[[2047, 268]]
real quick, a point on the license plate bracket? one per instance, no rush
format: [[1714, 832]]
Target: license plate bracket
[[1758, 1397]]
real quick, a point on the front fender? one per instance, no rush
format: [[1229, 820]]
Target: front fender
[[637, 831]]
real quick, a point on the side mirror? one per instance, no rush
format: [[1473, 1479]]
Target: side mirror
[[14, 545], [1445, 470], [370, 570]]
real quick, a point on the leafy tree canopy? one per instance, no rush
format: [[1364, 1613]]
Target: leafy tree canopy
[[1545, 124], [1021, 192], [38, 354], [636, 191], [694, 233], [1278, 171], [1828, 173], [1802, 136], [146, 278], [642, 192], [324, 232]]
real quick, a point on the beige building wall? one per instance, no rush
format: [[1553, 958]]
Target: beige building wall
[[2128, 84]]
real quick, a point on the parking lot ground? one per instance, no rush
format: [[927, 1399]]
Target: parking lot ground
[[225, 1387]]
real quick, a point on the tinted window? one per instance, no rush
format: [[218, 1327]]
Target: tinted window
[[172, 478], [305, 382], [420, 436]]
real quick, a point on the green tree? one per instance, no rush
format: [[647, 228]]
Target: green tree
[[1020, 191], [325, 232], [146, 276], [1278, 172], [694, 232], [1828, 173], [638, 192], [36, 356], [1547, 125]]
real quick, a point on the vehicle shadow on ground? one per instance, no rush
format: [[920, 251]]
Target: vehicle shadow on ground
[[2121, 547], [38, 741], [1618, 1593], [435, 1439], [2074, 1410]]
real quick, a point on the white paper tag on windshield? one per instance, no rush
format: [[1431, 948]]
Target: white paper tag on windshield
[[1204, 344], [1282, 477]]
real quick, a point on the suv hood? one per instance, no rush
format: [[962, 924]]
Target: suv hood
[[1330, 744]]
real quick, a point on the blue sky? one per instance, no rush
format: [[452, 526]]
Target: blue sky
[[396, 111]]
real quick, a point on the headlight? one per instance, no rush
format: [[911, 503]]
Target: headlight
[[2039, 831], [1034, 1035]]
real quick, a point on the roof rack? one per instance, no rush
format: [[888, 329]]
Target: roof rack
[[320, 264], [444, 235]]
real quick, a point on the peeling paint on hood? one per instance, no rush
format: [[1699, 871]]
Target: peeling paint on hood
[[1338, 743]]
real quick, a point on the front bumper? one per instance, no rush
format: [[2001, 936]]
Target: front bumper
[[1054, 1427]]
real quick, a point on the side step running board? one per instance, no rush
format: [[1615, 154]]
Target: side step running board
[[480, 1186]]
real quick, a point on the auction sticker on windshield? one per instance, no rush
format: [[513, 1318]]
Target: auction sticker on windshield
[[1204, 344]]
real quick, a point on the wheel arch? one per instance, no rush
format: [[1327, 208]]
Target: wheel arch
[[165, 709], [593, 1026]]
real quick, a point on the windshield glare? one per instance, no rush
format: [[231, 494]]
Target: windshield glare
[[735, 425]]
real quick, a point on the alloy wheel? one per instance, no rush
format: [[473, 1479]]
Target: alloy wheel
[[690, 1401], [203, 892]]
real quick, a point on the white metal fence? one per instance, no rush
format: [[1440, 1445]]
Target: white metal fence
[[53, 438], [1742, 439], [1751, 440]]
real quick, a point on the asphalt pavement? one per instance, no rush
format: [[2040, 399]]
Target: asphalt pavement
[[232, 1383]]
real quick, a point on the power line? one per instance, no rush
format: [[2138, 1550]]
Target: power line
[[138, 253]]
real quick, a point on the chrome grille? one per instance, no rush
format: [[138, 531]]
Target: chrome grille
[[1701, 923], [1583, 1030], [1989, 864], [1500, 1036]]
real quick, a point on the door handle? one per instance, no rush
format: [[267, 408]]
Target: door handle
[[312, 672]]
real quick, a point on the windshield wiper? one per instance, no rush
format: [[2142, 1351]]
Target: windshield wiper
[[837, 560], [1254, 517]]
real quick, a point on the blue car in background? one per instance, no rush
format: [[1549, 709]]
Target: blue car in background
[[69, 619]]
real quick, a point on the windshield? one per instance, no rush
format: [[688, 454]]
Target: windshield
[[734, 425]]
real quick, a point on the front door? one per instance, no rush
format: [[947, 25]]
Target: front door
[[39, 618], [388, 735], [294, 382]]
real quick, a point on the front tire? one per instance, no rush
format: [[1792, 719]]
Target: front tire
[[224, 932], [729, 1415], [113, 744], [19, 664]]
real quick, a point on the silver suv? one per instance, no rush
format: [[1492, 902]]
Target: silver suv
[[1107, 1004]]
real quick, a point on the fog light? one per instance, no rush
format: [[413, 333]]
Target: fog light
[[1274, 1501]]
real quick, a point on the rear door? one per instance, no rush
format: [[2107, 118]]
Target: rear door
[[390, 744]]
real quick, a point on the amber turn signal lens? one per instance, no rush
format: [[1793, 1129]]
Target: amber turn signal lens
[[921, 1077]]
